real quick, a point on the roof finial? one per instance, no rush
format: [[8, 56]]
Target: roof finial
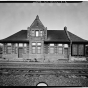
[[37, 17]]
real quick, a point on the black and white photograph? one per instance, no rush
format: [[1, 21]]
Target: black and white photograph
[[44, 43]]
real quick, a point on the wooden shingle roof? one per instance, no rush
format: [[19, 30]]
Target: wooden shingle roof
[[52, 36]]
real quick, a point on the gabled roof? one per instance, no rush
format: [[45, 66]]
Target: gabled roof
[[37, 23], [52, 36]]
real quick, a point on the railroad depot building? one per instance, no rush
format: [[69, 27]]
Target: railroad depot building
[[37, 44]]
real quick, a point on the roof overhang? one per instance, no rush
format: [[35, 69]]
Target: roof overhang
[[14, 41], [68, 42]]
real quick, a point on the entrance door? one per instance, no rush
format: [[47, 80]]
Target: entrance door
[[20, 52]]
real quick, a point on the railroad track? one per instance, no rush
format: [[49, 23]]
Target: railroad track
[[44, 68]]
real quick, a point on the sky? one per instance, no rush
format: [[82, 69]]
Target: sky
[[18, 16]]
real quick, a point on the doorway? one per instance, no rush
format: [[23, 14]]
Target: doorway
[[20, 52], [66, 52]]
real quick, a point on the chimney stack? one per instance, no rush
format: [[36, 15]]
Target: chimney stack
[[65, 28]]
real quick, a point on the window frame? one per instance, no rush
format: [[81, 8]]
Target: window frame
[[52, 48], [41, 33], [37, 33], [8, 51], [32, 33], [78, 50], [38, 49], [33, 50]]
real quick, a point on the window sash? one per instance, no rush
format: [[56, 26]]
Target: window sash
[[16, 50], [38, 44], [51, 45], [41, 33], [33, 49], [38, 50], [77, 50], [74, 49], [60, 50], [33, 33], [33, 44], [20, 44], [80, 50], [51, 50], [9, 49], [37, 33], [25, 49]]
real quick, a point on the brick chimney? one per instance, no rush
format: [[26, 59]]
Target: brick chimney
[[65, 28]]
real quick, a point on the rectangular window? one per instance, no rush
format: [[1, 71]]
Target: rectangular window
[[33, 44], [9, 49], [27, 48], [51, 44], [38, 50], [60, 50], [13, 48], [60, 45], [33, 49], [20, 44], [36, 47], [41, 33], [51, 50], [16, 50], [80, 50], [74, 49], [37, 33], [38, 44], [33, 33], [65, 45], [5, 48]]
